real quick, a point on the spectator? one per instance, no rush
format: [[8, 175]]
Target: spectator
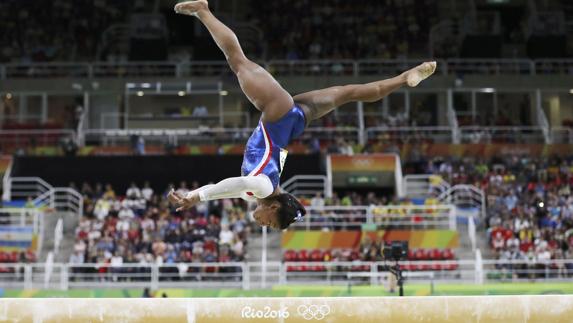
[[126, 213], [147, 191], [226, 236], [76, 258], [133, 191], [30, 203], [317, 201], [102, 208], [183, 190], [238, 248], [200, 111], [109, 192]]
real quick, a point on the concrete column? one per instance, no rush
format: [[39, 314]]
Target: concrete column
[[360, 108], [23, 107], [44, 107]]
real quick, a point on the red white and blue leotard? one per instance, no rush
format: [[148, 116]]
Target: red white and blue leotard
[[265, 152]]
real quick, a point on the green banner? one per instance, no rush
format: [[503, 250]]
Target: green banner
[[312, 291]]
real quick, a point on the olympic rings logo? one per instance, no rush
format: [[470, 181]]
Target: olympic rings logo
[[313, 312]]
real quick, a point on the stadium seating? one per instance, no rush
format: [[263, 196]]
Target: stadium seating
[[21, 135], [45, 38], [528, 199], [15, 257], [418, 260], [323, 29], [44, 20], [141, 227]]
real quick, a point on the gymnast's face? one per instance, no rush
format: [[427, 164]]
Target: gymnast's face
[[267, 214]]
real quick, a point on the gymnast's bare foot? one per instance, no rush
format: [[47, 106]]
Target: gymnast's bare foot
[[420, 73], [192, 8]]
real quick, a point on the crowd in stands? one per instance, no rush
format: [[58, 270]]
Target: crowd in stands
[[530, 204], [304, 29], [140, 227], [39, 31], [339, 29], [529, 210], [307, 29]]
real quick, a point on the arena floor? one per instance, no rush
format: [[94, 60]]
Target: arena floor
[[505, 309]]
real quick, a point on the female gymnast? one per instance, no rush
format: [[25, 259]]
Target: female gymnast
[[283, 119]]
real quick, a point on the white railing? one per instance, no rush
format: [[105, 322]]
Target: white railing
[[43, 70], [208, 135], [472, 233], [453, 119], [22, 217], [23, 188], [62, 199], [313, 67], [491, 66], [308, 185], [113, 137], [433, 186], [384, 278], [41, 137], [282, 68], [6, 182], [479, 277], [41, 194], [523, 270], [111, 275], [49, 269], [398, 177], [247, 275], [158, 121], [411, 134], [337, 273], [526, 135], [465, 197], [542, 118], [79, 139], [561, 135], [318, 218], [25, 217], [58, 235], [423, 186], [554, 66], [396, 216]]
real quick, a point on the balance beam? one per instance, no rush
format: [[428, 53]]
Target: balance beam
[[481, 309]]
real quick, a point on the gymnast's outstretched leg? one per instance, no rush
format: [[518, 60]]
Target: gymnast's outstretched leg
[[259, 86], [320, 102]]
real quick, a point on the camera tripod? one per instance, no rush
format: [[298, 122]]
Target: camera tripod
[[397, 271]]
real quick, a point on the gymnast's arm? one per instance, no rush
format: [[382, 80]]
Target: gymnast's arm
[[234, 187]]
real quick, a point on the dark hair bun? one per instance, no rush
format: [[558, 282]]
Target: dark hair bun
[[290, 211]]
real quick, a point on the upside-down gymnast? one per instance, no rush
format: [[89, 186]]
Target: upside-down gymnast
[[283, 119]]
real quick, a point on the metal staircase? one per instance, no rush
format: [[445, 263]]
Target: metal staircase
[[60, 208], [308, 185], [468, 199]]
